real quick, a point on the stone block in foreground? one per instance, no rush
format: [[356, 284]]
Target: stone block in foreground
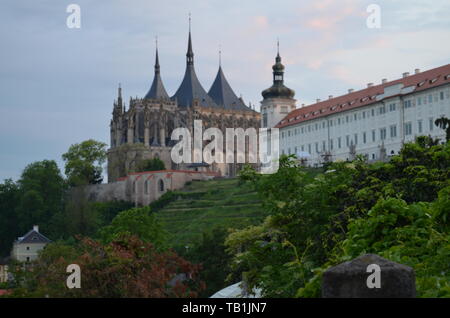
[[350, 279]]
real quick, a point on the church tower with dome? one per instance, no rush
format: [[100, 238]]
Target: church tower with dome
[[278, 99]]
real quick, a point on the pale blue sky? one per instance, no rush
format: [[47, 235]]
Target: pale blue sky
[[57, 85]]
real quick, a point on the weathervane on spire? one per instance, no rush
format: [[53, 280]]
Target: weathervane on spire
[[220, 55]]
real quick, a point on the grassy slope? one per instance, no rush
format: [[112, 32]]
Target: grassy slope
[[206, 204]]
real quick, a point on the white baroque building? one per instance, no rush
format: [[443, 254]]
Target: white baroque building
[[374, 121]]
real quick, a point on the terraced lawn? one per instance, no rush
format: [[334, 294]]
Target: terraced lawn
[[203, 205]]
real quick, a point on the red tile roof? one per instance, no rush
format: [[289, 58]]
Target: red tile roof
[[422, 81]]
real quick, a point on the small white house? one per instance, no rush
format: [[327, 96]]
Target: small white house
[[26, 248]]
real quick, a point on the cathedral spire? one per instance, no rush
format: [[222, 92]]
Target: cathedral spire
[[190, 52], [157, 67], [222, 93], [157, 90], [119, 98], [190, 89]]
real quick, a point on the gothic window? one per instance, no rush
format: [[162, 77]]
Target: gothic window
[[161, 185], [146, 186]]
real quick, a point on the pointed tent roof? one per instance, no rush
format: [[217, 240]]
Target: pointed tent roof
[[223, 95], [157, 90], [190, 87]]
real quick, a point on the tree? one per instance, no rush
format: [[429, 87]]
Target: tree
[[396, 209], [84, 162], [42, 188], [125, 267], [211, 255], [80, 216], [9, 199], [154, 164], [139, 222], [444, 123]]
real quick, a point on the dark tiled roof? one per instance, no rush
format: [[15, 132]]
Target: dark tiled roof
[[33, 237], [223, 95], [157, 90], [190, 87], [419, 82]]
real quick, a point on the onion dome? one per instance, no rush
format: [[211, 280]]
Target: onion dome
[[278, 90]]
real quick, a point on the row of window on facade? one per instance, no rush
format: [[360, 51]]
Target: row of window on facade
[[408, 130], [365, 114]]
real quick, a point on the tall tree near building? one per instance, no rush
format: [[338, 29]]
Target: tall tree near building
[[444, 123], [41, 190], [84, 162], [9, 199]]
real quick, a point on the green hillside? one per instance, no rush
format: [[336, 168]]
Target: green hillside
[[203, 205]]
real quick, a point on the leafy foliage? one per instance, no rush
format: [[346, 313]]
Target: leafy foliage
[[210, 253], [139, 222], [125, 267], [154, 164], [84, 162], [399, 210]]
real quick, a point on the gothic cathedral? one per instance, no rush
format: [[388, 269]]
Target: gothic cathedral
[[143, 131]]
